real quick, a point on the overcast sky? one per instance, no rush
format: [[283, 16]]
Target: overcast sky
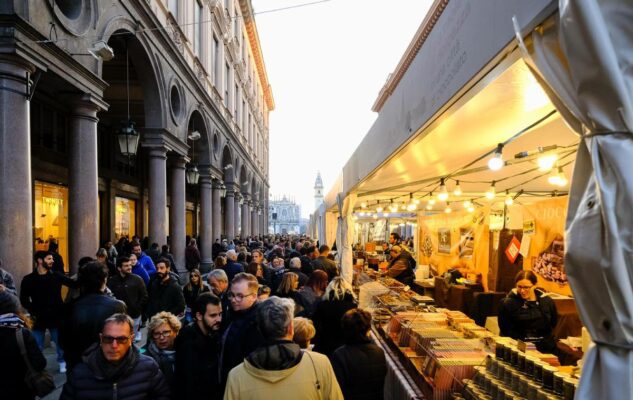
[[326, 64]]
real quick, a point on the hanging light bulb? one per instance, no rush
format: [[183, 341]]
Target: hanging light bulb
[[448, 208], [432, 199], [363, 205], [412, 205], [393, 207], [496, 162], [429, 206], [416, 201], [491, 193], [546, 162], [471, 209], [379, 209], [458, 190], [558, 178], [443, 195], [467, 204], [403, 206], [509, 200]]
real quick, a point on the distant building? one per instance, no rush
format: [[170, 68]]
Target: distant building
[[318, 191], [284, 216]]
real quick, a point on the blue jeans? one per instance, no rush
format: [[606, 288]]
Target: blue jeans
[[39, 338]]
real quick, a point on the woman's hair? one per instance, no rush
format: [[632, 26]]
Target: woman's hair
[[318, 280], [288, 282], [10, 304], [525, 274], [338, 289], [163, 317], [304, 331], [196, 272], [252, 268], [263, 289], [355, 323], [219, 262]]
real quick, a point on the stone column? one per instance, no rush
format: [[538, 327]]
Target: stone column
[[83, 189], [254, 216], [207, 218], [158, 195], [261, 223], [216, 210], [16, 197], [177, 212], [237, 209], [245, 217], [229, 212]]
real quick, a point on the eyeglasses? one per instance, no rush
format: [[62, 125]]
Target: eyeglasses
[[238, 296], [118, 339], [163, 334], [520, 287]]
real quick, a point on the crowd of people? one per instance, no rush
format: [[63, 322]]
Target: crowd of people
[[271, 318]]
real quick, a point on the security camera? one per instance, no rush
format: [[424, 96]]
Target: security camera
[[101, 51]]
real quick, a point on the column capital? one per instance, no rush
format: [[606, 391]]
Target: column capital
[[158, 152], [178, 161], [85, 105], [160, 137]]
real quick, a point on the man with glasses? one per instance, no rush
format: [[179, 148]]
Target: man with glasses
[[114, 369], [241, 336]]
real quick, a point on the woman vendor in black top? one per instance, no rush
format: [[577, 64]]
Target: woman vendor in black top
[[528, 314]]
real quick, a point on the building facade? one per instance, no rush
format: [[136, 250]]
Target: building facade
[[284, 217], [79, 77]]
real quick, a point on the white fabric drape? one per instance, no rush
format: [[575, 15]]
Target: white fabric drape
[[345, 235], [585, 63]]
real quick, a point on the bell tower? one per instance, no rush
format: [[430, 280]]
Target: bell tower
[[318, 191]]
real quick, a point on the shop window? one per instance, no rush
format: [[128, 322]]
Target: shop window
[[124, 218], [189, 223], [51, 217]]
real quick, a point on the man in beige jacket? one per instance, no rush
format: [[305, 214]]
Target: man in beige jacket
[[281, 370]]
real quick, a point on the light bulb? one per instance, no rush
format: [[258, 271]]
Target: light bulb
[[467, 204], [429, 207], [403, 206], [379, 209], [558, 178], [393, 208], [458, 190], [471, 209], [496, 162], [546, 162], [432, 199], [448, 208], [443, 195], [411, 207], [385, 214], [509, 200], [375, 216], [363, 205], [491, 193], [416, 201]]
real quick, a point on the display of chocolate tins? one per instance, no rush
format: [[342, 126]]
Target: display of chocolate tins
[[558, 382], [548, 377]]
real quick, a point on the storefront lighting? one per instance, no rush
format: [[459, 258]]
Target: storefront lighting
[[496, 162], [546, 162], [509, 200], [443, 194], [458, 189], [492, 192], [448, 208], [558, 178]]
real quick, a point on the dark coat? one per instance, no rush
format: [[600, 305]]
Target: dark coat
[[130, 290], [529, 320], [165, 362], [232, 268], [164, 296], [197, 362], [41, 295], [192, 293], [192, 257], [140, 379], [240, 338], [83, 321], [13, 368], [327, 322], [360, 370], [401, 270]]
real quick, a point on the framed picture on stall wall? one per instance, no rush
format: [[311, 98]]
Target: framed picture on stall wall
[[466, 243], [444, 241]]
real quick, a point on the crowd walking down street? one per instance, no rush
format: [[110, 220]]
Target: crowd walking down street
[[117, 337]]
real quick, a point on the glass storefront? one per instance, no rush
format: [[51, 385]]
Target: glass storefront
[[189, 229], [51, 217], [125, 218]]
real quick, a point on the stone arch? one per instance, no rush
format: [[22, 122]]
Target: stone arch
[[202, 147], [243, 180], [122, 29], [228, 169]]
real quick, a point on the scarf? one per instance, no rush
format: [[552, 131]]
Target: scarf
[[108, 370], [11, 320], [163, 355]]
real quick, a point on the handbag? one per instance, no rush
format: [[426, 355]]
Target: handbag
[[40, 382]]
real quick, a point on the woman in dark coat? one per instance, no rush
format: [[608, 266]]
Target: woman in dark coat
[[337, 300], [193, 289], [528, 314], [360, 365], [13, 368]]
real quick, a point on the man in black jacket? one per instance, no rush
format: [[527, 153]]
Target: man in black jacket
[[130, 289], [197, 350], [114, 369], [83, 319], [164, 292], [242, 335], [41, 295]]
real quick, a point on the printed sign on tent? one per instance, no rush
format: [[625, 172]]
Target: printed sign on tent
[[512, 251]]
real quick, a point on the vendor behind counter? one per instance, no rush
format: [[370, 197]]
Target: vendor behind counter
[[400, 266]]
